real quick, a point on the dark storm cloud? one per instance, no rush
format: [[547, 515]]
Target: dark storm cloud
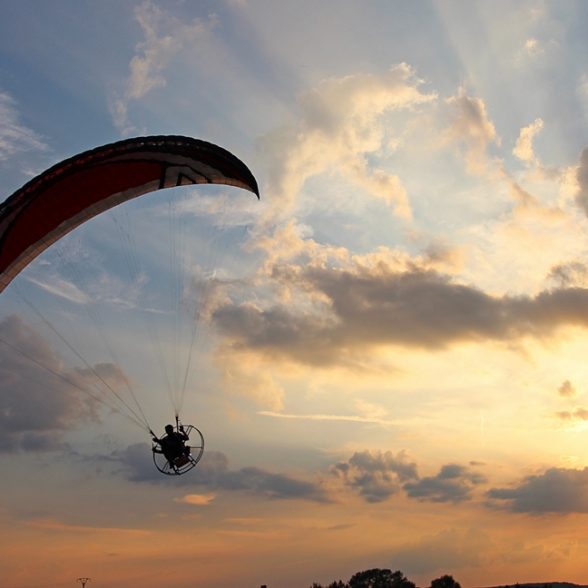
[[557, 490], [453, 483], [376, 475], [213, 473], [380, 306], [582, 177], [36, 406]]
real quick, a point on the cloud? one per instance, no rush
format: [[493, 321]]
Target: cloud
[[351, 418], [557, 490], [471, 128], [453, 483], [196, 499], [524, 145], [532, 47], [567, 390], [56, 525], [376, 475], [578, 414], [14, 136], [582, 178], [568, 275], [63, 289], [36, 407], [213, 474], [165, 36], [338, 312], [339, 127]]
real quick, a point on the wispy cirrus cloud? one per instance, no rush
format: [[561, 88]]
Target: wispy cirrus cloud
[[15, 137], [165, 36], [62, 288], [57, 525], [329, 417]]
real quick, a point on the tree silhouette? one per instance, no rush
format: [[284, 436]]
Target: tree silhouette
[[380, 578], [336, 584], [445, 582]]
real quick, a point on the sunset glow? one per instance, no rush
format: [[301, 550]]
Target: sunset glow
[[386, 354]]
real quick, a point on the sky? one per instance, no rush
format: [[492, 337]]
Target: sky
[[388, 364]]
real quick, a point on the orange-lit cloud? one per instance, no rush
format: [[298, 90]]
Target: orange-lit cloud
[[567, 390], [53, 524], [471, 128], [524, 145], [196, 499]]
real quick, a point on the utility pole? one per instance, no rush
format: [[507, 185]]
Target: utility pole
[[83, 581]]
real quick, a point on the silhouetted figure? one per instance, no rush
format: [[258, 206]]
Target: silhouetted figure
[[172, 444]]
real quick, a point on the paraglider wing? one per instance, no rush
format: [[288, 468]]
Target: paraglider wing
[[79, 188]]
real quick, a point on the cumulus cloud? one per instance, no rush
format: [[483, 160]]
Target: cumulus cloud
[[14, 136], [37, 408], [557, 490], [376, 475], [471, 128], [339, 127], [524, 145], [214, 474], [453, 483], [165, 36]]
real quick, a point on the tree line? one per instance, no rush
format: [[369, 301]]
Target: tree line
[[384, 578]]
